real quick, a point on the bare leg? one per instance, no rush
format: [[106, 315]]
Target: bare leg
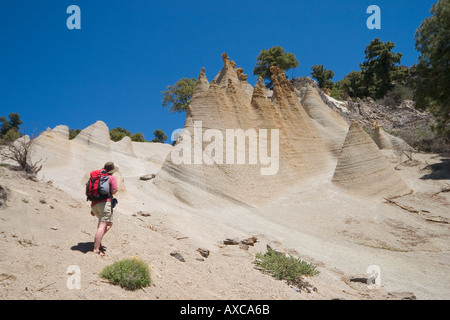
[[108, 226], [102, 228]]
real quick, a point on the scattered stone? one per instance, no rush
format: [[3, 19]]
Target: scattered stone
[[147, 177], [43, 201], [229, 241], [359, 278], [403, 295], [250, 241], [177, 256], [143, 214], [54, 228], [203, 252]]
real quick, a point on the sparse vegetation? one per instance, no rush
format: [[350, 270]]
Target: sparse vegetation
[[119, 133], [19, 152], [337, 93], [284, 267], [159, 136], [323, 76], [179, 95], [396, 95], [9, 130], [275, 56], [130, 274], [73, 133]]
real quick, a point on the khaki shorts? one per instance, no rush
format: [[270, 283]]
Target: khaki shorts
[[102, 211]]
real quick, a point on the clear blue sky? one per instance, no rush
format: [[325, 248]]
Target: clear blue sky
[[127, 52]]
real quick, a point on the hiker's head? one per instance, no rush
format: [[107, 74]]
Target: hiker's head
[[110, 168]]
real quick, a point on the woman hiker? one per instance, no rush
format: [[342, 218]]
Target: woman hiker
[[102, 209]]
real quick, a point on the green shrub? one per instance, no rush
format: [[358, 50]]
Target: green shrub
[[337, 94], [130, 274], [284, 267], [73, 133]]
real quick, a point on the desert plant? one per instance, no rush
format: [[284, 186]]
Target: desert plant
[[337, 93], [284, 267], [19, 152], [395, 96], [73, 133], [130, 274]]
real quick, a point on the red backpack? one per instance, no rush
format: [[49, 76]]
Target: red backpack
[[97, 187]]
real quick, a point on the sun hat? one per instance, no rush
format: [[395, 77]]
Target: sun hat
[[110, 168]]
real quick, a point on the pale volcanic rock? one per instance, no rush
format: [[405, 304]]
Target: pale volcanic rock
[[124, 145], [226, 104], [363, 170], [385, 140], [62, 130], [67, 163], [331, 125]]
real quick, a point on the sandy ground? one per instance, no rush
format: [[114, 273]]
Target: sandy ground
[[45, 230]]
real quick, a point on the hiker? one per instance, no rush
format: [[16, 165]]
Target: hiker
[[103, 208]]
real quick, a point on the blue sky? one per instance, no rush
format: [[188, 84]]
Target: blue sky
[[127, 52]]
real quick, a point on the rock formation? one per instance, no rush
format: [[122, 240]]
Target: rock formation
[[310, 139], [403, 117], [385, 140], [240, 144], [332, 126], [363, 170], [90, 150]]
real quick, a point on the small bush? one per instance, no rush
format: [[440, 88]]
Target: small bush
[[20, 151], [130, 274], [337, 94], [284, 267], [395, 96]]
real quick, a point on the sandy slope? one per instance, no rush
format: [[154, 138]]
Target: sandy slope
[[40, 239], [327, 204]]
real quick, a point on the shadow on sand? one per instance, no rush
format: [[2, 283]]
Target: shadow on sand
[[84, 247], [438, 171]]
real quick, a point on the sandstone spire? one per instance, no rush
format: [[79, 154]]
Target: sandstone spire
[[363, 170], [385, 140], [331, 125], [229, 105]]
